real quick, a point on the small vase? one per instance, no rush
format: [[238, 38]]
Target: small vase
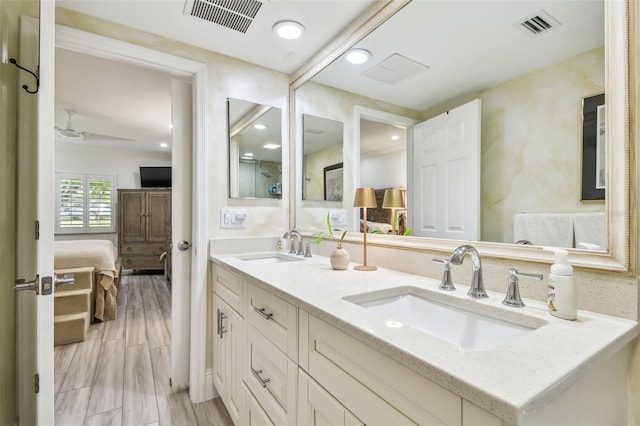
[[340, 258]]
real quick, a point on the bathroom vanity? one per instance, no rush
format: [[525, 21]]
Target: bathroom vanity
[[296, 342]]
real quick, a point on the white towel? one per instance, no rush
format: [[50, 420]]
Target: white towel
[[590, 230], [544, 229]]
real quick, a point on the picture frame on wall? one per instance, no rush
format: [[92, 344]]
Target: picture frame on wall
[[333, 182], [593, 148]]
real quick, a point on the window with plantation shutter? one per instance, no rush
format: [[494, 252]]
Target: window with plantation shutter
[[85, 203]]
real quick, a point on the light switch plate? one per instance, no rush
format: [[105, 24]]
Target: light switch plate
[[338, 217], [233, 218]]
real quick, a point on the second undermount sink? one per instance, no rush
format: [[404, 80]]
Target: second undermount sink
[[266, 258], [464, 328]]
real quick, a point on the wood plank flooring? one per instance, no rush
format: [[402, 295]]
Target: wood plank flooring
[[119, 376]]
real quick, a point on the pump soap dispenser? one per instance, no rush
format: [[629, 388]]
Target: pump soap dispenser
[[562, 299]]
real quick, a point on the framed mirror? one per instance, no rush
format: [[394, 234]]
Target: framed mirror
[[255, 150], [539, 145], [322, 159]]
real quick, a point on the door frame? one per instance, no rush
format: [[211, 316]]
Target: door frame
[[361, 112], [108, 48]]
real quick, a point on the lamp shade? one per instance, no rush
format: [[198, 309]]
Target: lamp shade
[[365, 197], [393, 199]]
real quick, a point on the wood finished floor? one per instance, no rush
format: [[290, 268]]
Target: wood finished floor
[[120, 374]]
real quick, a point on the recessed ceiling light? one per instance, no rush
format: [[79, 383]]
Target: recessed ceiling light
[[395, 137], [289, 30], [171, 126], [164, 144], [358, 56], [271, 146], [260, 126], [248, 154]]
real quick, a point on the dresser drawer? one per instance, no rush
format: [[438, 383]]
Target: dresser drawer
[[228, 286], [271, 376], [143, 248], [141, 261], [275, 318]]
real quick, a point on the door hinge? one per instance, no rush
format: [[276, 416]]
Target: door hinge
[[37, 229], [37, 383]]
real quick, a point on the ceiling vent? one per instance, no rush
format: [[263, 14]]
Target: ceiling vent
[[395, 69], [234, 14], [539, 23]]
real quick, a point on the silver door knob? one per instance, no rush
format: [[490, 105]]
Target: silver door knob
[[22, 284], [184, 245]]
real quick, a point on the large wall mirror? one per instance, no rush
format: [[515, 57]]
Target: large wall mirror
[[530, 72], [255, 150]]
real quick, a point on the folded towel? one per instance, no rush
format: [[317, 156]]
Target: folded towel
[[590, 230], [544, 229]]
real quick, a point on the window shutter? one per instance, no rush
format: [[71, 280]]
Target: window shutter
[[71, 211], [100, 202]]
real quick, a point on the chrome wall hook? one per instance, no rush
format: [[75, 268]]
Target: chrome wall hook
[[24, 86]]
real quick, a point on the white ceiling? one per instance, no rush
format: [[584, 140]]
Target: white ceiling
[[468, 45]]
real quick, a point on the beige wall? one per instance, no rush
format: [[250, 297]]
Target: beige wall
[[9, 12], [532, 142], [314, 165]]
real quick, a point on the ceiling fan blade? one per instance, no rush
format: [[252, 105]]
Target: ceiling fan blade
[[89, 136]]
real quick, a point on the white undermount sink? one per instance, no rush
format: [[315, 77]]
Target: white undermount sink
[[266, 258], [466, 329]]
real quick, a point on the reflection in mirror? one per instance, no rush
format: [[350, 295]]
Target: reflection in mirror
[[383, 165], [530, 129], [255, 150], [322, 163]]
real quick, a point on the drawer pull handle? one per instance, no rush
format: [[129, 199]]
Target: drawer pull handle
[[262, 381], [221, 317], [262, 313]]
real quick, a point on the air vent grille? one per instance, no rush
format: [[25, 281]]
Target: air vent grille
[[234, 14], [539, 23]]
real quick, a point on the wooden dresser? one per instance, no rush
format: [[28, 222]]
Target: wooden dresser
[[144, 227]]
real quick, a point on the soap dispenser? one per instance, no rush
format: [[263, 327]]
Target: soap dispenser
[[562, 299]]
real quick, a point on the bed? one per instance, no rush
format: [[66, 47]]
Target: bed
[[379, 219], [102, 255]]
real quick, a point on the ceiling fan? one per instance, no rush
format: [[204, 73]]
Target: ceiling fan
[[70, 132]]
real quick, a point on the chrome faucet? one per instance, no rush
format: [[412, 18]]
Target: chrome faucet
[[477, 286], [292, 246], [512, 298]]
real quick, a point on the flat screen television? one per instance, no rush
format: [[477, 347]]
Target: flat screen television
[[155, 177]]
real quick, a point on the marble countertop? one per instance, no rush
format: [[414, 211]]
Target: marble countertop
[[511, 381]]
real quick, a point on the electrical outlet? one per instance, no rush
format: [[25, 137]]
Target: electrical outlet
[[233, 218]]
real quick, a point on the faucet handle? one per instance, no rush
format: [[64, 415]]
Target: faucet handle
[[512, 298], [446, 283], [307, 251]]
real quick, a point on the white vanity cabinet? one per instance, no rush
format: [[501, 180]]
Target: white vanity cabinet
[[376, 389], [228, 339]]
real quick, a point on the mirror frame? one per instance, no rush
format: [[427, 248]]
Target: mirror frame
[[620, 121]]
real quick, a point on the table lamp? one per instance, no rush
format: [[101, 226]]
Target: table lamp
[[393, 200], [365, 198]]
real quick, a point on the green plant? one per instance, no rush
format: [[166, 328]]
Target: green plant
[[322, 236]]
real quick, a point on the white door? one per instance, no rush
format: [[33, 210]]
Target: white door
[[181, 160], [446, 175], [34, 313]]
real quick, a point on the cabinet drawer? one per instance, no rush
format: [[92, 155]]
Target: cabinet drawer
[[228, 286], [317, 407], [141, 262], [255, 415], [143, 248], [271, 376], [346, 368], [275, 318]]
